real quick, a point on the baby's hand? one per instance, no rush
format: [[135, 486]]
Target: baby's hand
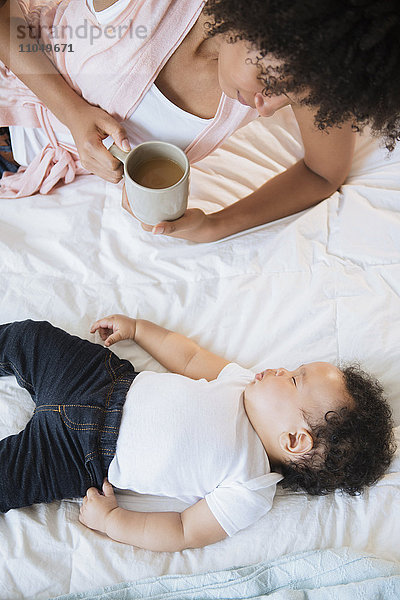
[[96, 507], [115, 328]]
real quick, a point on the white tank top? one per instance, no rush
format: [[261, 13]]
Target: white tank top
[[156, 117]]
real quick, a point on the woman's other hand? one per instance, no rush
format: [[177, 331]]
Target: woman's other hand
[[89, 125], [194, 225]]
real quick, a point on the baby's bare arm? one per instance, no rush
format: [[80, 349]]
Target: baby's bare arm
[[174, 351], [195, 527], [178, 353]]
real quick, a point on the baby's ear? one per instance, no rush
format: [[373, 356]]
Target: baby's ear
[[296, 444]]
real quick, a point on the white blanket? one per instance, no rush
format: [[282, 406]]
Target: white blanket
[[320, 285]]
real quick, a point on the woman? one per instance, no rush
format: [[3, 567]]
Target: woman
[[316, 56]]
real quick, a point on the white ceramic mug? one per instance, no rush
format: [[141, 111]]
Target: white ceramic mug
[[153, 205]]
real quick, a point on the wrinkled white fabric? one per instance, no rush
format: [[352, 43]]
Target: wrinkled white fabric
[[321, 285]]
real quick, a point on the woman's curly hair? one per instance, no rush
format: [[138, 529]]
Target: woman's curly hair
[[353, 446], [344, 55]]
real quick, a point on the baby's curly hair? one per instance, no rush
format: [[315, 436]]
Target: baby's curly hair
[[353, 446], [344, 55]]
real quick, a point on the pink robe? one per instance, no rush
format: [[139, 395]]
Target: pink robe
[[114, 72]]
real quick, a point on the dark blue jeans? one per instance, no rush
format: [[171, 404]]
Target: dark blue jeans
[[79, 389], [6, 158]]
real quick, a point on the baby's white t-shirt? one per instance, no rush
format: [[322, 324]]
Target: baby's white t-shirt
[[191, 439]]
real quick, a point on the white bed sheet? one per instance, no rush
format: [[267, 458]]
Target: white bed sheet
[[320, 285]]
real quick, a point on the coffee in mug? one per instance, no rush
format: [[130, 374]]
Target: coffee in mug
[[156, 180], [157, 173]]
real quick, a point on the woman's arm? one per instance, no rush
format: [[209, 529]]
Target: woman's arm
[[34, 69], [174, 351], [195, 527], [88, 124], [325, 166]]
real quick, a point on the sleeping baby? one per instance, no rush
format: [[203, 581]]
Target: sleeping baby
[[208, 432]]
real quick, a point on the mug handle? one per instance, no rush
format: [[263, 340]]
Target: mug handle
[[118, 153]]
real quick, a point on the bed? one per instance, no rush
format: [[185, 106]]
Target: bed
[[320, 285]]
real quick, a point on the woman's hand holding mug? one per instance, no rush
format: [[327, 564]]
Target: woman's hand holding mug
[[194, 225], [89, 125]]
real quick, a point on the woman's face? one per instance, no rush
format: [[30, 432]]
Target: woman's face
[[238, 78]]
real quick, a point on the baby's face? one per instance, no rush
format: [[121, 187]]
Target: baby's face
[[274, 401]]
